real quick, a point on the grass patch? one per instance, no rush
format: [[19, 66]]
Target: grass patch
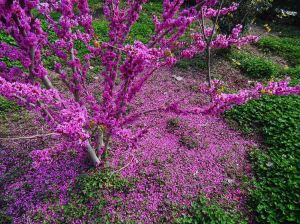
[[7, 106], [196, 63], [253, 66], [275, 198], [288, 47]]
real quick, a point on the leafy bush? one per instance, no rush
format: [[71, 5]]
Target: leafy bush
[[284, 30], [288, 47], [275, 198], [246, 14], [203, 211], [255, 67]]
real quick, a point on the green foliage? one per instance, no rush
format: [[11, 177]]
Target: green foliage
[[87, 197], [144, 28], [95, 5], [276, 196], [284, 30], [288, 47], [196, 63], [293, 72], [101, 29], [253, 66], [204, 212], [7, 106]]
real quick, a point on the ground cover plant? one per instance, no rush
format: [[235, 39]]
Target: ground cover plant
[[255, 67], [287, 46], [276, 194], [101, 94], [276, 119]]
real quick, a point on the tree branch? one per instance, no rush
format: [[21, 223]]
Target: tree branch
[[30, 137]]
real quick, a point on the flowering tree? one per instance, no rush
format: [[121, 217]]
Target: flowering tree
[[71, 107]]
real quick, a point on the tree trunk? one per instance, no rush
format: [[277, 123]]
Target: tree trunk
[[209, 66], [93, 155]]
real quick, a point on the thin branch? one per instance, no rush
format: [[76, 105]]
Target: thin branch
[[124, 167], [76, 92], [215, 23], [30, 137]]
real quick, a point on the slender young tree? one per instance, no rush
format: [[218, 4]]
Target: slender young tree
[[68, 104]]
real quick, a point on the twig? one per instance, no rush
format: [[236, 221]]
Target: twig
[[30, 137], [119, 170]]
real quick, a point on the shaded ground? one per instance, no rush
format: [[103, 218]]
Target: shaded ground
[[197, 155]]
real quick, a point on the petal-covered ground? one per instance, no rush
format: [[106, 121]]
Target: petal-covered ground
[[179, 158]]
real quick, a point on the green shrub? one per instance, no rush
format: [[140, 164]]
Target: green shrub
[[203, 211], [288, 47], [245, 14], [284, 30], [144, 28], [96, 5], [276, 194], [255, 67]]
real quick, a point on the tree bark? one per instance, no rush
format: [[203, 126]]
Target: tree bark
[[93, 155]]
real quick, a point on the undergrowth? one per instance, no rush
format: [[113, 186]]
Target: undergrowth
[[7, 106], [288, 47], [253, 66], [275, 198], [196, 63], [87, 197], [204, 211]]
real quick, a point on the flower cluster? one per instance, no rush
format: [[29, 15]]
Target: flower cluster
[[223, 41], [224, 101], [210, 12], [221, 102], [219, 41], [68, 118]]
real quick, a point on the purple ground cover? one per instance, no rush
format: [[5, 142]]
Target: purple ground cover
[[171, 166]]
